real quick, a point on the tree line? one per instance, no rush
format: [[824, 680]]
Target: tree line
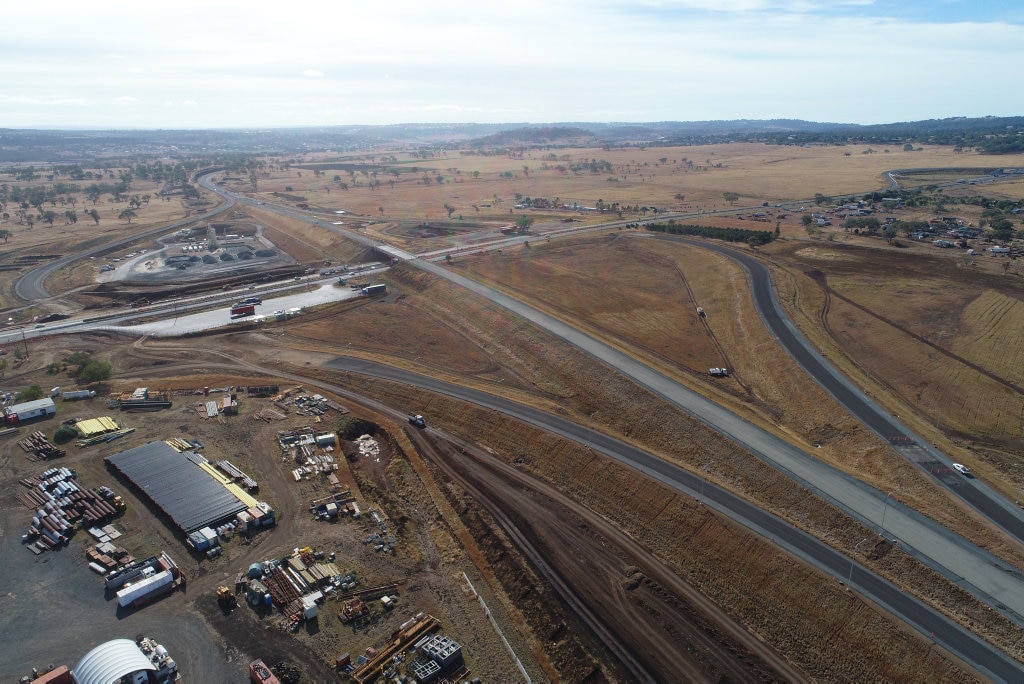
[[753, 238]]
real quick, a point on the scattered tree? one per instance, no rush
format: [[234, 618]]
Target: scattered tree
[[95, 371], [731, 197], [127, 215], [523, 223]]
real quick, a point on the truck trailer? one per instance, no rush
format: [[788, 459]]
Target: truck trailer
[[239, 310], [146, 589], [371, 290], [78, 394]]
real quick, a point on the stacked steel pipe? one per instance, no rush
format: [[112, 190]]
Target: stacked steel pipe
[[62, 506]]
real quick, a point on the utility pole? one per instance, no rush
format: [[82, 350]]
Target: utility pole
[[881, 530], [852, 554]]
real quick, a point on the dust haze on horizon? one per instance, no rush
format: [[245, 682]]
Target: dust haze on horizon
[[113, 64]]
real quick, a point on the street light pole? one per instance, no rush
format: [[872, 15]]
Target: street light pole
[[881, 530], [852, 554]]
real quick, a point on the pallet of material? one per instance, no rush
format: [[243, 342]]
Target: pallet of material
[[237, 475], [269, 415], [335, 406], [178, 444], [282, 591], [104, 438]]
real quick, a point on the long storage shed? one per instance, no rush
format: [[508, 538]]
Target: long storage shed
[[174, 482]]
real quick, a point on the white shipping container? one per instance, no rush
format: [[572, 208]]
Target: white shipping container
[[144, 586]]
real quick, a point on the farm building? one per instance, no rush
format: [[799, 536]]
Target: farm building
[[30, 409], [185, 486]]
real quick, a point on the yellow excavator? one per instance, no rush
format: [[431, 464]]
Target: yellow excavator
[[226, 598]]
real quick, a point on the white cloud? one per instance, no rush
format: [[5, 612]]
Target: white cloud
[[249, 63]]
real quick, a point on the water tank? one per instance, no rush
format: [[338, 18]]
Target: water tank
[[160, 650]]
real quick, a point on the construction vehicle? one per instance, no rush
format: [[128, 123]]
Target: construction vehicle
[[226, 599]]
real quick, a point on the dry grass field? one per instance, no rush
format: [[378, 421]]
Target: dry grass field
[[633, 176], [934, 341]]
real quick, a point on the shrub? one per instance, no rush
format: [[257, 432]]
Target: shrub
[[64, 434], [31, 393]]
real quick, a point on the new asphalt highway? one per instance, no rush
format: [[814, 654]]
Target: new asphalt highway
[[978, 495], [986, 658], [986, 576]]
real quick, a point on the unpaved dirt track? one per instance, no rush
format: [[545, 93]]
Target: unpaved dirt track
[[658, 626], [659, 629]]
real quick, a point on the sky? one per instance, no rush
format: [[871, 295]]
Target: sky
[[230, 64]]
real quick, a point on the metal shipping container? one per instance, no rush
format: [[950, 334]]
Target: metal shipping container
[[144, 586]]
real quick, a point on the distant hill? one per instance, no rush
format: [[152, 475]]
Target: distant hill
[[988, 135], [529, 136]]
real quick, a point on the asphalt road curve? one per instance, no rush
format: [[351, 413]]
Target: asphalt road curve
[[29, 287], [989, 660], [977, 495]]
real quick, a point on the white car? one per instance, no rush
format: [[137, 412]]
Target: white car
[[962, 469]]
